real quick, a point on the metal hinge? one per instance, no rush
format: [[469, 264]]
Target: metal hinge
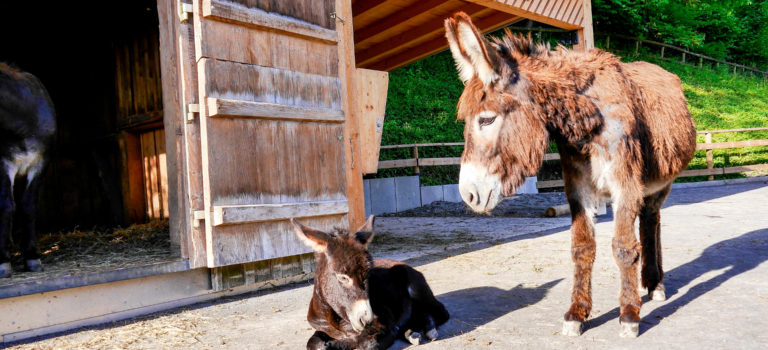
[[184, 12], [192, 108], [197, 217]]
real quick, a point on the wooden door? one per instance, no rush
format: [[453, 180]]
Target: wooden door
[[271, 125]]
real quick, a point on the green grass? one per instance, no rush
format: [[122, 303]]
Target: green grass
[[421, 108]]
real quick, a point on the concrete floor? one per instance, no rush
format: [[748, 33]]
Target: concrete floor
[[506, 282]]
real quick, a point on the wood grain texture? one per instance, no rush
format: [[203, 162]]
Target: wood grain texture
[[218, 107], [154, 168], [353, 164], [254, 17], [557, 16], [247, 82], [314, 11], [232, 42], [732, 144], [371, 104], [238, 214]]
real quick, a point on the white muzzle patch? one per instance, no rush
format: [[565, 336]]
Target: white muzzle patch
[[479, 189], [361, 314]]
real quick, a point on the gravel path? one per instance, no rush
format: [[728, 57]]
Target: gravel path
[[506, 282]]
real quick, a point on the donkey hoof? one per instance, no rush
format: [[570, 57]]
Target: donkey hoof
[[34, 265], [658, 294], [629, 329], [6, 270], [432, 334], [572, 328], [413, 337]]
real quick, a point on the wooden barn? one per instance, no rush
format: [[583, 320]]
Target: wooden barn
[[225, 117]]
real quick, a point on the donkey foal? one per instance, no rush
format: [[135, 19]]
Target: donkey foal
[[361, 303]]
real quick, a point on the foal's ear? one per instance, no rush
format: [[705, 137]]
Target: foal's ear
[[473, 54], [317, 240], [364, 234]]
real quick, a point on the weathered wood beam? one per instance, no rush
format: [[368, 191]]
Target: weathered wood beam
[[431, 28], [238, 214], [508, 6], [363, 6], [219, 107], [487, 24], [398, 18]]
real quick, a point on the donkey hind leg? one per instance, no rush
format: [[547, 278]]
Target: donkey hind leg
[[6, 219], [582, 205], [650, 238], [26, 209], [428, 313], [626, 253]]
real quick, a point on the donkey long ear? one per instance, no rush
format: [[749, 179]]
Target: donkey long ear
[[473, 54], [317, 240], [364, 234]]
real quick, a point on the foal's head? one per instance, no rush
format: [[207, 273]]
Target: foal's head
[[343, 263], [505, 134]]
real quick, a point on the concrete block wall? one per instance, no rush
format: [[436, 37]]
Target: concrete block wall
[[395, 194]]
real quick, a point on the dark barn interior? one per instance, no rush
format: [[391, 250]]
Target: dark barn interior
[[100, 63]]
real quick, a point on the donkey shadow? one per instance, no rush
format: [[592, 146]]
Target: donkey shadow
[[736, 255], [474, 307]]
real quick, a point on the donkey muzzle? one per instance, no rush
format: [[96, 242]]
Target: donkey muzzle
[[479, 189], [361, 314]]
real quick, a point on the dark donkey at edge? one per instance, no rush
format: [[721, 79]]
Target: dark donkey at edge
[[361, 303], [622, 130], [27, 127]]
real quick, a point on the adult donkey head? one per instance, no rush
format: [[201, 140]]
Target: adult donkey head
[[505, 133], [341, 278]]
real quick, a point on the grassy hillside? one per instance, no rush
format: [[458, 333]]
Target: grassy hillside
[[421, 108]]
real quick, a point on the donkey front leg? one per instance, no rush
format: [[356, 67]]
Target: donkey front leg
[[6, 217], [27, 208], [583, 254], [626, 252]]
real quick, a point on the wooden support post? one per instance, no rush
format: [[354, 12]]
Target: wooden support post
[[416, 156], [662, 52], [710, 162], [683, 57], [608, 42], [701, 62], [734, 69], [637, 47]]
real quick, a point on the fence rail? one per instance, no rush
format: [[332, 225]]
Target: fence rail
[[416, 162]]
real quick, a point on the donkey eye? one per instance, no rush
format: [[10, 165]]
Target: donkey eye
[[486, 121], [344, 279]]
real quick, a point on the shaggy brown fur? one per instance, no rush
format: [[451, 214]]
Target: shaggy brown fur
[[622, 130]]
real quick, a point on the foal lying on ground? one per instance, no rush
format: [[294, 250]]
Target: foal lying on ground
[[361, 303]]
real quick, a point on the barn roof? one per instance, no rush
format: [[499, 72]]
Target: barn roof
[[392, 33]]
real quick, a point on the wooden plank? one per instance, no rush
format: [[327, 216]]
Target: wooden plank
[[353, 163], [360, 7], [430, 28], [733, 144], [252, 17], [411, 145], [551, 156], [163, 171], [131, 175], [744, 168], [550, 184], [508, 7], [372, 100], [238, 214], [254, 83], [730, 130], [439, 161], [169, 88], [151, 174], [408, 55], [701, 172], [218, 107], [397, 163], [232, 42], [399, 18]]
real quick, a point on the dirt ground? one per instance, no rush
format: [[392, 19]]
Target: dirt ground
[[506, 282]]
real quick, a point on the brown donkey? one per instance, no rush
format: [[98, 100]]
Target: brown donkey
[[622, 129], [361, 303]]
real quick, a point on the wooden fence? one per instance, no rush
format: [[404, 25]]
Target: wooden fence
[[416, 162]]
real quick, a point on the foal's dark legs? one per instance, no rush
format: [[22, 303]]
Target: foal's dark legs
[[650, 229], [582, 252]]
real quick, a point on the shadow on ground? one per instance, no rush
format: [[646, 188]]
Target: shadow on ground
[[736, 255]]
